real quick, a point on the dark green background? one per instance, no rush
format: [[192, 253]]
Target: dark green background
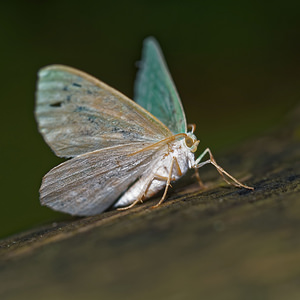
[[235, 64]]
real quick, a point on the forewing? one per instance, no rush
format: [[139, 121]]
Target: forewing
[[77, 113], [155, 90], [90, 183]]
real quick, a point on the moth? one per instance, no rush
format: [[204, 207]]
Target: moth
[[121, 151]]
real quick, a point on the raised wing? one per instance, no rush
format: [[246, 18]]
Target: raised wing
[[77, 113], [155, 90], [90, 183]]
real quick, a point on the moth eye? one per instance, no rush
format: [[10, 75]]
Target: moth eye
[[189, 142]]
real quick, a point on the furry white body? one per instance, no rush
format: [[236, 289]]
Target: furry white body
[[155, 179]]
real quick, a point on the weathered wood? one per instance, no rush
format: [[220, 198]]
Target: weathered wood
[[221, 243]]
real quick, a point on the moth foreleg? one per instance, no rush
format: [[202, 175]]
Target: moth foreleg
[[221, 171]]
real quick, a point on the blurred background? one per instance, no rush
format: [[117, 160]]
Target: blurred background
[[235, 65]]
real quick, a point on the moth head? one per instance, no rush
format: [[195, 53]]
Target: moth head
[[191, 142]]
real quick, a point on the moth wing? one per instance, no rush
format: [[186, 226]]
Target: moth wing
[[77, 113], [155, 90], [90, 183]]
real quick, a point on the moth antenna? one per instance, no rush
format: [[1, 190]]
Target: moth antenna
[[164, 141], [192, 126]]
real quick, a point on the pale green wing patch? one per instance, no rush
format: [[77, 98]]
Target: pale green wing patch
[[77, 113], [90, 183], [155, 90]]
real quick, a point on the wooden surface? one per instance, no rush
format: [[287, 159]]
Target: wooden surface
[[221, 243]]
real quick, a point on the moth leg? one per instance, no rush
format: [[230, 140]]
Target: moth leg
[[177, 166], [221, 171], [169, 181], [144, 193], [139, 199], [200, 182], [159, 177]]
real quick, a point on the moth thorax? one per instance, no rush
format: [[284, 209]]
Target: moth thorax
[[191, 142]]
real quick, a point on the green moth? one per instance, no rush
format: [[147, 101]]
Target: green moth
[[121, 151]]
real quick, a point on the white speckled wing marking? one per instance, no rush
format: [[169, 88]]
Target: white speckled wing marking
[[77, 113], [90, 183]]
